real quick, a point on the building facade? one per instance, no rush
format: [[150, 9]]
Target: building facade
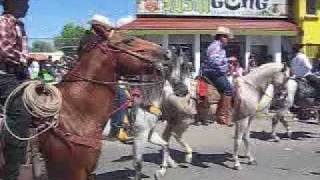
[[261, 27], [307, 16]]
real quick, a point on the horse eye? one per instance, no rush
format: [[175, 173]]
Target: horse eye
[[127, 42], [140, 50]]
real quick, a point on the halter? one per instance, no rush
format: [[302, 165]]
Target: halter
[[107, 47]]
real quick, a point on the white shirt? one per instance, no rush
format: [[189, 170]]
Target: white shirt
[[300, 65]]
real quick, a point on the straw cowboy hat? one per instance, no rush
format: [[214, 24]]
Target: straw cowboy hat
[[224, 31], [99, 19]]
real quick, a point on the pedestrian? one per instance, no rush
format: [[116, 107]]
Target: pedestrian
[[235, 69], [301, 67], [13, 61], [34, 69], [252, 63], [215, 68]]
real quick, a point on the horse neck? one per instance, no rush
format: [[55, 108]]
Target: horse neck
[[261, 77], [87, 102]]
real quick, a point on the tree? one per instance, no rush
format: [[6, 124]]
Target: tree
[[69, 39], [42, 46]]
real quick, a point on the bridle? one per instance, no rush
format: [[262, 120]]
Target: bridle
[[109, 48]]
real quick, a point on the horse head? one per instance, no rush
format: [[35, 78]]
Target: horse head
[[127, 55]]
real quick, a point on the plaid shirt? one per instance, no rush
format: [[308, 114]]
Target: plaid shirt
[[217, 61], [13, 41]]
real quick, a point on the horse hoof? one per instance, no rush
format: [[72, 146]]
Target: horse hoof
[[159, 173], [254, 162], [189, 159], [276, 139], [173, 165], [157, 176], [237, 167]]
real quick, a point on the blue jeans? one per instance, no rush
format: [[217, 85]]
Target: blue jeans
[[221, 83], [117, 118]]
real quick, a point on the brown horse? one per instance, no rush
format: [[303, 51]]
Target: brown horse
[[72, 149]]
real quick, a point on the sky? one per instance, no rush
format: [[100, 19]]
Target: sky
[[46, 18]]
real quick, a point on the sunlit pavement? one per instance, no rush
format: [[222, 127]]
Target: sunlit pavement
[[296, 159]]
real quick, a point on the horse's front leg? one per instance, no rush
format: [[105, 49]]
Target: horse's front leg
[[285, 123], [246, 141], [241, 125], [275, 122]]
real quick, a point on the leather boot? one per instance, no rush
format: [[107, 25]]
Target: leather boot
[[224, 110]]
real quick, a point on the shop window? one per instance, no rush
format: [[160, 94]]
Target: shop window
[[311, 7], [261, 54], [187, 51]]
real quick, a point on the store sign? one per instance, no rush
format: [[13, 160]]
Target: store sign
[[234, 8]]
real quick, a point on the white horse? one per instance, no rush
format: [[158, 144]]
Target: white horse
[[248, 92], [179, 109]]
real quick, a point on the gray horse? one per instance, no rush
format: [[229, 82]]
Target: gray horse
[[177, 103], [248, 92]]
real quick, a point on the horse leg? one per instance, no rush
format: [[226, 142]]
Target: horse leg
[[163, 141], [275, 122], [178, 134], [246, 141], [138, 145], [239, 132], [285, 123]]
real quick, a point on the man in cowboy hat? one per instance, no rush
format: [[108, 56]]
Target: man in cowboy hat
[[13, 59], [215, 68]]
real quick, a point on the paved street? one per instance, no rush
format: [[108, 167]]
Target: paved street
[[297, 159]]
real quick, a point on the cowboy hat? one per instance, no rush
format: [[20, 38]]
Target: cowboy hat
[[99, 19], [224, 31]]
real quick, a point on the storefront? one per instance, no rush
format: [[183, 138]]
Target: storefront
[[261, 27]]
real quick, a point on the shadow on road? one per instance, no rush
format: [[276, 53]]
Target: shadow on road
[[126, 174], [315, 173], [298, 135], [200, 160]]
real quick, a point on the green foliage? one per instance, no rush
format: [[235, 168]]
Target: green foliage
[[42, 46], [69, 39]]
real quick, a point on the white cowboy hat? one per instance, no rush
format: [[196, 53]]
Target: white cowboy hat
[[99, 19], [224, 31]]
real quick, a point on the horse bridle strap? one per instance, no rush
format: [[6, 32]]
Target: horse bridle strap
[[129, 52]]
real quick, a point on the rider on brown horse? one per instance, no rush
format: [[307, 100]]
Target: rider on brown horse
[[216, 68], [13, 58]]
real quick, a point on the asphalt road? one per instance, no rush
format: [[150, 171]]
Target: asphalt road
[[296, 159]]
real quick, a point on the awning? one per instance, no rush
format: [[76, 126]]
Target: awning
[[189, 25]]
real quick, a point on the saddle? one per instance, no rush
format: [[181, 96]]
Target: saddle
[[207, 91]]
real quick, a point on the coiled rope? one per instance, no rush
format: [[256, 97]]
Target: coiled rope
[[42, 106]]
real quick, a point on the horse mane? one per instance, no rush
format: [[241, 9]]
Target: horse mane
[[264, 70]]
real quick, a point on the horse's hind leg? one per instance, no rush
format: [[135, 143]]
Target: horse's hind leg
[[246, 141], [241, 126], [275, 122], [164, 143], [178, 134], [138, 145]]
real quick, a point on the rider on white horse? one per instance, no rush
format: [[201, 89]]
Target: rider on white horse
[[216, 68]]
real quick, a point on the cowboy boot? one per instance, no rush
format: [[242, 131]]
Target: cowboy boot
[[224, 110]]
